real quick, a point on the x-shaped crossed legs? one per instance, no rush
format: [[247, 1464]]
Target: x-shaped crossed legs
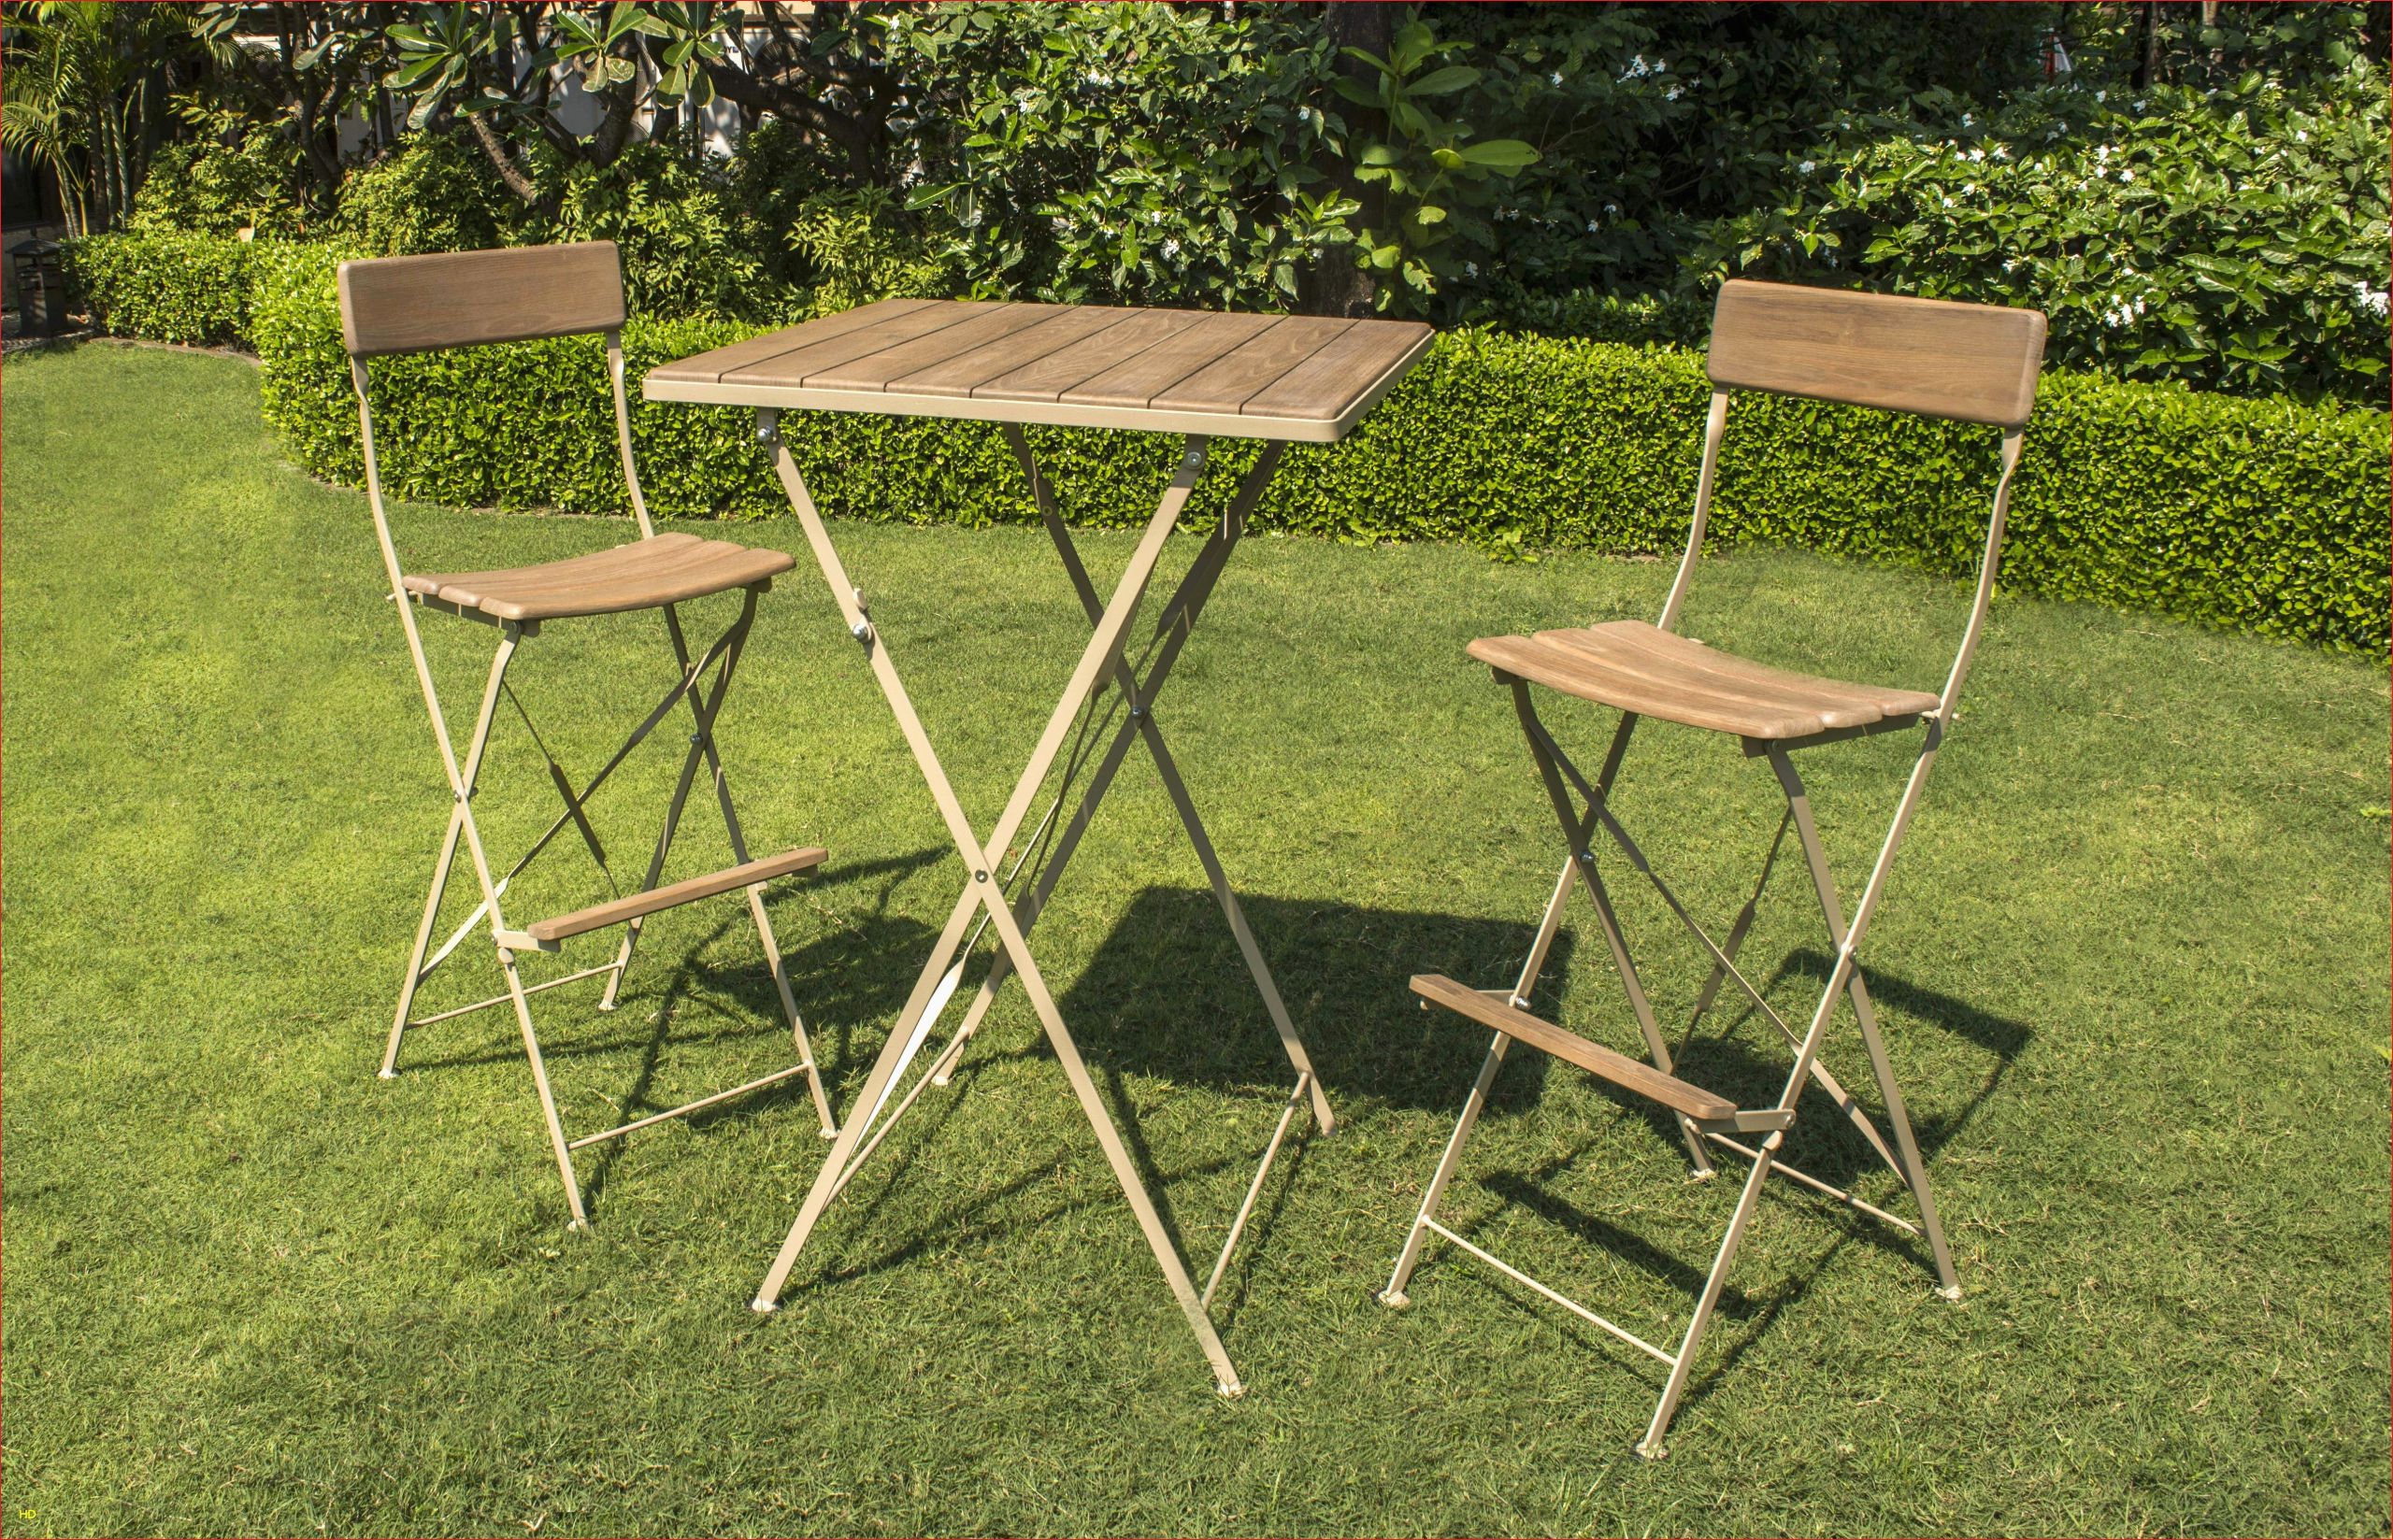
[[704, 702], [986, 894], [1579, 818]]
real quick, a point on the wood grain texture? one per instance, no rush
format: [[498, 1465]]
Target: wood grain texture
[[1322, 385], [813, 354], [1973, 362], [710, 367], [1302, 378], [1597, 1060], [1138, 382], [665, 570], [1048, 378], [1633, 666], [632, 905], [1260, 361], [1066, 337], [461, 299], [876, 371]]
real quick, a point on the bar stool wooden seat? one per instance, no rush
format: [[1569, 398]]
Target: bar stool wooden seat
[[663, 569]]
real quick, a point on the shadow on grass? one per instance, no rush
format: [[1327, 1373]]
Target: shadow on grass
[[1167, 994], [848, 983], [1734, 1060], [1168, 997]]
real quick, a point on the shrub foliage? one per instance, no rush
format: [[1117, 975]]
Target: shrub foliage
[[2270, 517]]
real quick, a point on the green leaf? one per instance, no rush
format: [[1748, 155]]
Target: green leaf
[[1439, 82], [1501, 155], [1354, 92]]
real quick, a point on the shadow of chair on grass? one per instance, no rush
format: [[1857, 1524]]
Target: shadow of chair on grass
[[1731, 1052], [849, 981]]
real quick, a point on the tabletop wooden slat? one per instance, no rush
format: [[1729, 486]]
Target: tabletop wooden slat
[[1255, 362], [810, 357], [1138, 382], [740, 355], [876, 371], [1304, 378], [1049, 378], [1065, 329], [1315, 388]]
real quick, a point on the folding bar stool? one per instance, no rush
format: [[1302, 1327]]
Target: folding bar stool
[[1968, 362], [409, 304]]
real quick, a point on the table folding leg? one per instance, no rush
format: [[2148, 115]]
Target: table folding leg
[[985, 897]]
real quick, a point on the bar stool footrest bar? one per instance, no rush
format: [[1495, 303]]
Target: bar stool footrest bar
[[544, 935], [1634, 1074]]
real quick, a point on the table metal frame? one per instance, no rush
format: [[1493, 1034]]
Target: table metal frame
[[985, 896]]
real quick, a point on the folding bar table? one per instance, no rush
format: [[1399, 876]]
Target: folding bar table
[[1203, 375]]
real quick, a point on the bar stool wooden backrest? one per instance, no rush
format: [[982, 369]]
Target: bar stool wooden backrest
[[465, 299], [1931, 358]]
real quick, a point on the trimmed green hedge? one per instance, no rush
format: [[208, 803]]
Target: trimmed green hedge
[[177, 286], [2270, 517]]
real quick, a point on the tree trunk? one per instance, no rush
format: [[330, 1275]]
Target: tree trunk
[[616, 102], [1337, 285], [509, 172], [2147, 66]]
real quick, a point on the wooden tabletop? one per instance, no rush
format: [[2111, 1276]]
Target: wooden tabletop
[[1306, 378]]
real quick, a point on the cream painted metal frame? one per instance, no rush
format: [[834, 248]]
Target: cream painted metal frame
[[1974, 363], [1189, 373], [407, 304]]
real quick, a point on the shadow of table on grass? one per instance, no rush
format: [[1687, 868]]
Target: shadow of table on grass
[[1168, 997]]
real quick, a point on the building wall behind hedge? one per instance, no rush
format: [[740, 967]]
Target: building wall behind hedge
[[2270, 517]]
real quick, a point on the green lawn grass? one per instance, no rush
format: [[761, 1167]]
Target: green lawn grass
[[2134, 965]]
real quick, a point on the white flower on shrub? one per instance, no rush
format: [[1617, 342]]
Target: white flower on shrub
[[1170, 247], [1808, 167], [2368, 298]]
